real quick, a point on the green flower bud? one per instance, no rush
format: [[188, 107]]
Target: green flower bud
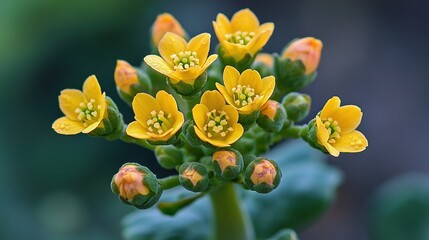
[[168, 156], [272, 117], [262, 175], [227, 163], [297, 106], [112, 122], [136, 185], [247, 120], [194, 176], [187, 89], [190, 134]]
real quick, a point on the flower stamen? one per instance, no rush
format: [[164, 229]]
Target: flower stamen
[[239, 37], [86, 111], [217, 124], [244, 95], [333, 128], [159, 122], [185, 60]]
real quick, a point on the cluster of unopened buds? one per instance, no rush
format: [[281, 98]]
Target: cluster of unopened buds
[[212, 121]]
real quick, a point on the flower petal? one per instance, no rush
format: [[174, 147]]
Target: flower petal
[[235, 134], [251, 78], [66, 126], [230, 78], [268, 88], [222, 26], [232, 114], [213, 100], [352, 142], [225, 93], [209, 61], [245, 21], [199, 113], [166, 102], [330, 107], [257, 43], [143, 104], [92, 89], [201, 135], [348, 118], [69, 100], [158, 64], [92, 126], [323, 136], [201, 45], [136, 130], [237, 51], [171, 44], [179, 119], [187, 76]]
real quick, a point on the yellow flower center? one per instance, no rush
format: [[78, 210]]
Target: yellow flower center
[[159, 122], [333, 128], [185, 60], [217, 124], [244, 95], [87, 112], [239, 37]]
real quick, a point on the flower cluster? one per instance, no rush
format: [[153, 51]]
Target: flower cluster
[[212, 121]]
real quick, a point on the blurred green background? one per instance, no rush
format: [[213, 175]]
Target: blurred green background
[[57, 187]]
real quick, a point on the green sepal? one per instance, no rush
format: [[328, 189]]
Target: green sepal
[[202, 184], [290, 76], [190, 134], [247, 120], [112, 124], [262, 187], [230, 172], [149, 180], [240, 65], [187, 89], [172, 140], [168, 156], [275, 124], [263, 69], [297, 106]]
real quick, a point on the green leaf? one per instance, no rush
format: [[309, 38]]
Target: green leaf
[[400, 209]]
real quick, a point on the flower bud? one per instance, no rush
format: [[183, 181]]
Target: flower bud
[[308, 50], [247, 120], [262, 175], [136, 185], [187, 89], [272, 117], [168, 156], [264, 64], [297, 105], [194, 176], [125, 76], [113, 123], [227, 163], [163, 24]]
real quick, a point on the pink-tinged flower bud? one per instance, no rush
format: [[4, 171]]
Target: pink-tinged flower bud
[[125, 76], [227, 163], [194, 176], [272, 117], [308, 50], [136, 185], [163, 24], [262, 175]]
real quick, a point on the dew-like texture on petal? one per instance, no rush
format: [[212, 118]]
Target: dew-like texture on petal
[[171, 44], [351, 142], [69, 100], [66, 126], [158, 64], [245, 21]]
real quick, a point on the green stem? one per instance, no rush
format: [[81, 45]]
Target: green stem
[[124, 137], [169, 182], [231, 222]]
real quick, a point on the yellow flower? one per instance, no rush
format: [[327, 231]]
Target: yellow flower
[[163, 24], [308, 50], [84, 111], [246, 92], [125, 76], [243, 34], [157, 119], [182, 61], [216, 122], [336, 128]]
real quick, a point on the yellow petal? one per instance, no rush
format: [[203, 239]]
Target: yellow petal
[[218, 143], [92, 126], [257, 43], [225, 93], [222, 26], [187, 76], [161, 137], [91, 89], [230, 78], [268, 86], [237, 51], [245, 21], [69, 101], [158, 64], [201, 135], [213, 100], [352, 142], [143, 104], [201, 45], [171, 44], [236, 134], [166, 102], [232, 114], [209, 61], [248, 109], [348, 118], [323, 136], [66, 126], [179, 119], [199, 112], [251, 78], [330, 107], [136, 130]]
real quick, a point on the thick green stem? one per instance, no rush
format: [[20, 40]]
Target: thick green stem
[[231, 222], [169, 182]]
